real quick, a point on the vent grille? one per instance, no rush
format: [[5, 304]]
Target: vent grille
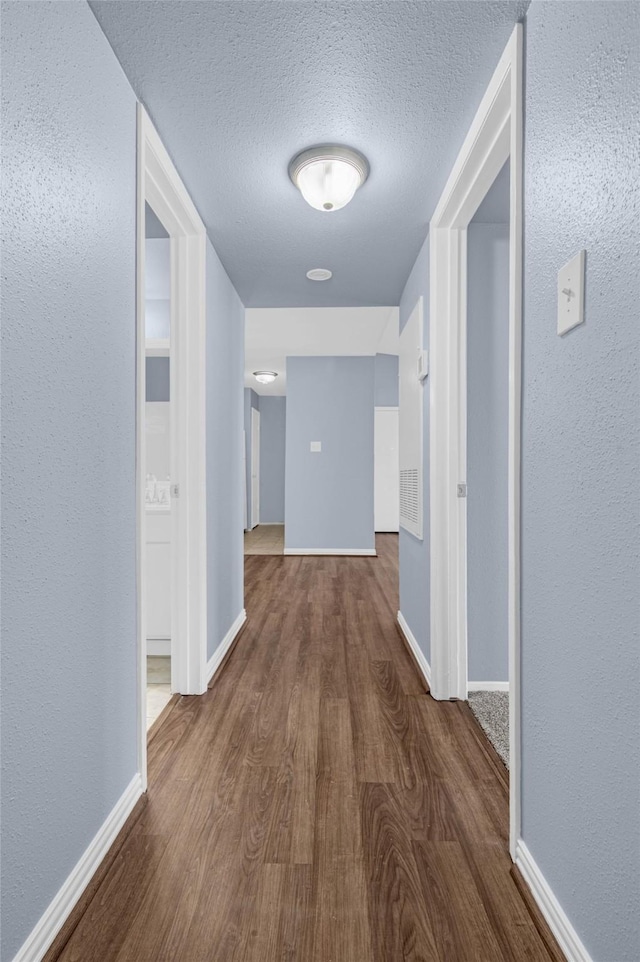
[[409, 498]]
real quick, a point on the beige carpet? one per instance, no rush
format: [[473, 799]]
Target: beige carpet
[[265, 539]]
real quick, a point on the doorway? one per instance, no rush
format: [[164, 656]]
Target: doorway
[[158, 466], [487, 459], [495, 136], [177, 498]]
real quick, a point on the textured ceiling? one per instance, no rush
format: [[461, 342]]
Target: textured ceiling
[[236, 88]]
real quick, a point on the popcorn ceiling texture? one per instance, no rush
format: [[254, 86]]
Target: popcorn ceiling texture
[[580, 539], [68, 476], [236, 89]]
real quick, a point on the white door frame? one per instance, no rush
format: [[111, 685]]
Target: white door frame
[[255, 467], [495, 136], [158, 183]]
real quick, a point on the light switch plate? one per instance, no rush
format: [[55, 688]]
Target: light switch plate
[[571, 294], [315, 446]]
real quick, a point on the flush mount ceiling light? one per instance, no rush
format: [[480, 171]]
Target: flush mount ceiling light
[[328, 176], [319, 274], [265, 377]]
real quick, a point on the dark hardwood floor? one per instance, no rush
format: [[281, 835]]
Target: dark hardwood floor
[[315, 805]]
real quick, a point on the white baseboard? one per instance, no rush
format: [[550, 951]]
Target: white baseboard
[[216, 659], [60, 908], [329, 551], [551, 909], [159, 646], [487, 686], [423, 664]]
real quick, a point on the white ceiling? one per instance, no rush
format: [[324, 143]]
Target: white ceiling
[[273, 334]]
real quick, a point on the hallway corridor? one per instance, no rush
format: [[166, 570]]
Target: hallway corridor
[[316, 805]]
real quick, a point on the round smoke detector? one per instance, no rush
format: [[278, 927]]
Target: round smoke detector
[[319, 274]]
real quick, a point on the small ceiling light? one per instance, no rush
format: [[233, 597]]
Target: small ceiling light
[[328, 176], [319, 274], [265, 377]]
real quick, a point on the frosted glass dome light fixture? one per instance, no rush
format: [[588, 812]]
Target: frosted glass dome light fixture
[[265, 377], [328, 176]]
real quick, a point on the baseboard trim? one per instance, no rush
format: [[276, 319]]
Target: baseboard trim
[[487, 686], [63, 903], [218, 656], [554, 914], [416, 651], [329, 551]]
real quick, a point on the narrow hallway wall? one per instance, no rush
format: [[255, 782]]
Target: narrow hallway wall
[[580, 464], [272, 458], [329, 494], [415, 575], [487, 450], [225, 412], [69, 660], [69, 653]]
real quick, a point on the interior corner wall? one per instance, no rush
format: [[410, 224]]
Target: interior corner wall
[[414, 554], [225, 416], [488, 450], [272, 458], [69, 649], [386, 374], [329, 495], [580, 468], [251, 400]]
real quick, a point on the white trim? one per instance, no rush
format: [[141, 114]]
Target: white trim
[[63, 902], [487, 686], [159, 184], [423, 664], [329, 551], [557, 919], [160, 647], [386, 407], [495, 136], [157, 347], [216, 659]]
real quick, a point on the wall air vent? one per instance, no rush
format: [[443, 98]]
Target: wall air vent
[[409, 497]]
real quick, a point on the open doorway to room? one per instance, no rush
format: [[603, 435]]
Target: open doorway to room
[[458, 608], [171, 436], [487, 455], [157, 427]]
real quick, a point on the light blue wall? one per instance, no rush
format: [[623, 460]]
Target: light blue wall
[[581, 461], [225, 401], [329, 496], [387, 386], [487, 450], [272, 455], [157, 379], [251, 400], [69, 663], [415, 578]]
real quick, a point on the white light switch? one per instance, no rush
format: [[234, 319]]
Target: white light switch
[[571, 294], [315, 446]]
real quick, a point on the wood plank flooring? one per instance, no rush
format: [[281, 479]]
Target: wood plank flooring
[[316, 805]]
